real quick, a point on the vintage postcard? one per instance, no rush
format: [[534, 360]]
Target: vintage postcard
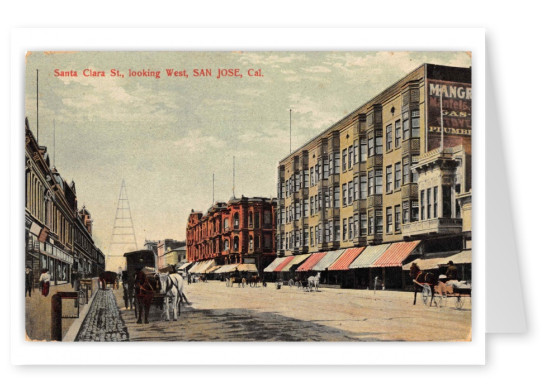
[[248, 196]]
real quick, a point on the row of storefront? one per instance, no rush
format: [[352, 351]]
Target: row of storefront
[[359, 267]]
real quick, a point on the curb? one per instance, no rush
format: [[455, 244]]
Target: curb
[[72, 333]]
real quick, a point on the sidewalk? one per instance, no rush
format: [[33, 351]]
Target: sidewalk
[[38, 313]]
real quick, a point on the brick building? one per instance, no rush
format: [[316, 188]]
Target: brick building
[[58, 236], [241, 231], [381, 176]]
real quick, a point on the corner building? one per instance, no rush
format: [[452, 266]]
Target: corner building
[[381, 175], [241, 231]]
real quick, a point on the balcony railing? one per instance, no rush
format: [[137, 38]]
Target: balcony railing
[[440, 226]]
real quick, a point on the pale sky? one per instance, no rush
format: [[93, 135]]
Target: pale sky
[[166, 137]]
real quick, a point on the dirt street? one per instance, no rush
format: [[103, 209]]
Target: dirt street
[[220, 313]]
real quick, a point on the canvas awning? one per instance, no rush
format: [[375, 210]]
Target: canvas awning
[[344, 261], [196, 266], [201, 267], [276, 262], [465, 256], [329, 258], [247, 267], [284, 263], [185, 266], [296, 261], [431, 261], [212, 269], [396, 254], [227, 268], [311, 261], [368, 256]]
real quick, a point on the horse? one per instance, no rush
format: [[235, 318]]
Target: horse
[[144, 289], [254, 280], [421, 278], [314, 282], [172, 286], [239, 281], [109, 278], [203, 278]]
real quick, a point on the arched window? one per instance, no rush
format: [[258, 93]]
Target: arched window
[[236, 220], [250, 219], [226, 243], [251, 243], [236, 243], [226, 224]]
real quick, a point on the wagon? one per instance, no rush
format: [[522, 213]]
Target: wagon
[[442, 292], [144, 260]]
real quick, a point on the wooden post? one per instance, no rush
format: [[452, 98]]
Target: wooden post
[[56, 318]]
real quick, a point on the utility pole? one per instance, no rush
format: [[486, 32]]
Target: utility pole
[[441, 123], [54, 142], [37, 106], [290, 150]]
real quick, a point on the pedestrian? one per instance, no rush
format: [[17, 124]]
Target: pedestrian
[[74, 278], [451, 272], [28, 280], [44, 281]]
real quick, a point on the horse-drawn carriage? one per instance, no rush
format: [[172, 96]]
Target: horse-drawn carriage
[[437, 289], [144, 286]]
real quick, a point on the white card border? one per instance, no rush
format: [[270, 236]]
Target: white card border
[[325, 353]]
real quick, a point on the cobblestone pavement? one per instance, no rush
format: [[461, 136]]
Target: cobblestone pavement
[[103, 322]]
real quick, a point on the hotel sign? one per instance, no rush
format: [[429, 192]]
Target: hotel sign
[[455, 110]]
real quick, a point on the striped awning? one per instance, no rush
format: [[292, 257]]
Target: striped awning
[[227, 268], [329, 258], [368, 256], [284, 263], [276, 262], [296, 261], [344, 261], [396, 254], [247, 267], [311, 261]]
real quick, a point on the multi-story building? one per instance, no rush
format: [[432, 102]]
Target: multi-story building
[[57, 237], [170, 252], [241, 231], [88, 259], [381, 175]]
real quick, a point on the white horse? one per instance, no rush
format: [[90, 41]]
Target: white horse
[[314, 282], [172, 286]]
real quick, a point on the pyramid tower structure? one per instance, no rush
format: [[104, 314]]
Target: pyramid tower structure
[[123, 236]]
